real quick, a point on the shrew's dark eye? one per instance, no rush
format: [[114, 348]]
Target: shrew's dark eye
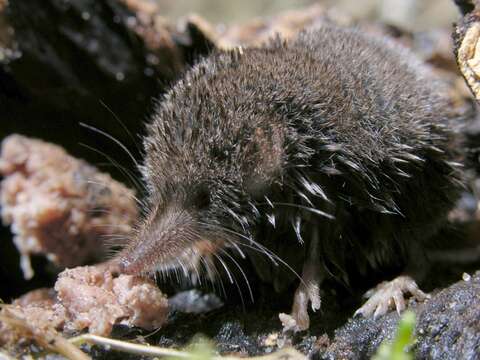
[[202, 199]]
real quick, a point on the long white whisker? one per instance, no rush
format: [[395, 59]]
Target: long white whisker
[[303, 207], [260, 248], [120, 122], [284, 263], [197, 273], [232, 278], [124, 170], [210, 266], [241, 270], [242, 255], [116, 141]]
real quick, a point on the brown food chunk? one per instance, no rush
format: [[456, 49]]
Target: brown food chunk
[[88, 298], [38, 309], [94, 298], [58, 205]]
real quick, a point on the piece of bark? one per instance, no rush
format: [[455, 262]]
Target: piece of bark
[[82, 61], [157, 34], [465, 6], [59, 206], [466, 37], [260, 30]]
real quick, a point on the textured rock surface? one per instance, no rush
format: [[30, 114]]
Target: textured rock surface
[[448, 327]]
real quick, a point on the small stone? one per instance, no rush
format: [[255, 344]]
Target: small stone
[[271, 340], [86, 15]]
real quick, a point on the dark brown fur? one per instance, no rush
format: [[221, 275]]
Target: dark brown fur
[[336, 132]]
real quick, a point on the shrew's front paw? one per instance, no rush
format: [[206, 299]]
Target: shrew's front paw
[[390, 294], [307, 293]]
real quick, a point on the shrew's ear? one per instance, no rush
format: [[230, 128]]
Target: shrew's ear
[[264, 155]]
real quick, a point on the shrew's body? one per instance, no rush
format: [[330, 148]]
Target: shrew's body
[[337, 140]]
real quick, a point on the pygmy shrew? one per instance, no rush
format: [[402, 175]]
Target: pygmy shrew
[[338, 140]]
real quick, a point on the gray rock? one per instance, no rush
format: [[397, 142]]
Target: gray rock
[[448, 327]]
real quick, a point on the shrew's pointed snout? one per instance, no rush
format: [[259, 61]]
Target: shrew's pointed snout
[[162, 239], [125, 265]]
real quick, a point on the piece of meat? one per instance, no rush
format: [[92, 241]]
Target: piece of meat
[[39, 310], [94, 298], [59, 206], [88, 297]]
